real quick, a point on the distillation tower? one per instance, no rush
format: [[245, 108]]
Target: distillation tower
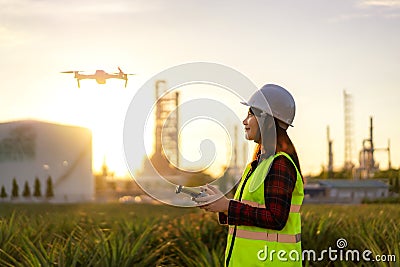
[[330, 153], [167, 123], [348, 131], [368, 165]]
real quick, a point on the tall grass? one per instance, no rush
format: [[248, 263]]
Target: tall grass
[[146, 235], [364, 227]]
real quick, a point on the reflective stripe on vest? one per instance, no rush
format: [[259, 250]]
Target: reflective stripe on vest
[[244, 246], [272, 237], [293, 207]]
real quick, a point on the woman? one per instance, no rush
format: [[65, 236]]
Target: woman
[[263, 218]]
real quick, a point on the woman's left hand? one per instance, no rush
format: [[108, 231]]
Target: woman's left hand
[[215, 201]]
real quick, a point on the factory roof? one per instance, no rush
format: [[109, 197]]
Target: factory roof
[[352, 183]]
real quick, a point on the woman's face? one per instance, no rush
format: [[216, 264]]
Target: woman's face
[[251, 129]]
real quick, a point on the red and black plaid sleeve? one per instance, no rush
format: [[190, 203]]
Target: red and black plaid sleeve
[[278, 187]]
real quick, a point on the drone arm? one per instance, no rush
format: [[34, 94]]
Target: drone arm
[[84, 76]]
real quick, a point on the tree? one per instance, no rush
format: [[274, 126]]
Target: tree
[[27, 191], [14, 190], [49, 189], [3, 193], [37, 192]]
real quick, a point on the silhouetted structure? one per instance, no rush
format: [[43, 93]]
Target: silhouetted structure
[[348, 131], [165, 159]]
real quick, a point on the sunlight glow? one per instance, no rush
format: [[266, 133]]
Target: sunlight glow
[[101, 108]]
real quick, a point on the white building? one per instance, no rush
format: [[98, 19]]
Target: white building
[[30, 149]]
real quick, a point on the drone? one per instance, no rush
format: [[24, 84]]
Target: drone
[[100, 76]]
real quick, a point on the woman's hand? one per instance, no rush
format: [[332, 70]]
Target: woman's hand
[[215, 201]]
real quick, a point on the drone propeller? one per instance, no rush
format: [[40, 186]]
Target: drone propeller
[[70, 71], [123, 73]]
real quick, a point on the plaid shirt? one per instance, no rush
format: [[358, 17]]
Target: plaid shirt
[[278, 187]]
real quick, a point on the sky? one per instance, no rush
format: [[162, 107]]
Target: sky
[[315, 49]]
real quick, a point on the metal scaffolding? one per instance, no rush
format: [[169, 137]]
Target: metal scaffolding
[[368, 165], [167, 123], [348, 131]]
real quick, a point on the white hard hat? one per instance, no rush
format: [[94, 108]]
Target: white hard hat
[[276, 101]]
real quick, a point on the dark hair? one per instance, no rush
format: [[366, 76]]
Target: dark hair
[[283, 142]]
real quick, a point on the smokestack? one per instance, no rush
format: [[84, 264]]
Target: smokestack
[[330, 153], [371, 139]]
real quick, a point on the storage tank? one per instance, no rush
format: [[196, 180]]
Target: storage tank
[[32, 149]]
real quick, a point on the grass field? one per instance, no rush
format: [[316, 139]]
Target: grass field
[[156, 235]]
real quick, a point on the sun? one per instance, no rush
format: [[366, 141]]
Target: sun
[[101, 108]]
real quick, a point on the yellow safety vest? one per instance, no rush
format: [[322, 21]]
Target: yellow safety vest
[[255, 246]]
